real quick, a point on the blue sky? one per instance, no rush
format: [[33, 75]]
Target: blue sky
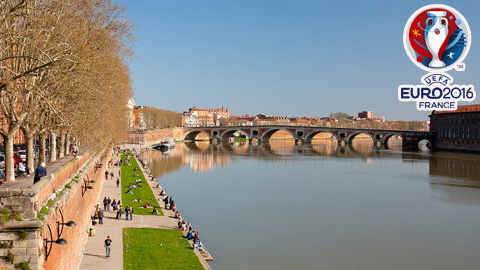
[[294, 58]]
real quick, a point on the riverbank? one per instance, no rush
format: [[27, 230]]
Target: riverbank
[[156, 188], [94, 251]]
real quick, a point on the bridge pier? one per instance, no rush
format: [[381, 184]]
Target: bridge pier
[[378, 143], [343, 142], [215, 140], [254, 141], [410, 143], [299, 141]]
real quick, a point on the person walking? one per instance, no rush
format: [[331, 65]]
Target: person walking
[[109, 201], [114, 205], [100, 216], [75, 150], [119, 212], [39, 172], [118, 182], [106, 175], [131, 212], [108, 243], [165, 200], [127, 212], [105, 202]]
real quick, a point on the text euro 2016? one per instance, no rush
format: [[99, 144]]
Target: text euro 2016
[[422, 92]]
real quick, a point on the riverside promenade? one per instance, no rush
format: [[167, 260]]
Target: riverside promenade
[[94, 252], [27, 181]]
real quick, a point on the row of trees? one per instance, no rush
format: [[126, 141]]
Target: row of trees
[[153, 118], [63, 69]]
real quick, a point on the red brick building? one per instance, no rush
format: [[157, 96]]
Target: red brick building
[[459, 129]]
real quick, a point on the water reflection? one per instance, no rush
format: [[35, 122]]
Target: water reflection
[[458, 169], [326, 206]]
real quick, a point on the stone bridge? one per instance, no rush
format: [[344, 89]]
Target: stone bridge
[[301, 134]]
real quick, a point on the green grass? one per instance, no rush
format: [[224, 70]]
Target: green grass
[[157, 249], [143, 193]]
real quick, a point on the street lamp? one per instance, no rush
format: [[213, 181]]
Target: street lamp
[[68, 224], [60, 241], [86, 185], [48, 248]]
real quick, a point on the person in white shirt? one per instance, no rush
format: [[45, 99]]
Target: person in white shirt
[[23, 169]]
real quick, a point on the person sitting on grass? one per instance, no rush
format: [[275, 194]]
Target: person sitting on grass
[[129, 191], [155, 211], [190, 234], [147, 205]]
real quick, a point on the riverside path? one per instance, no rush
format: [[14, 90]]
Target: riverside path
[[94, 252]]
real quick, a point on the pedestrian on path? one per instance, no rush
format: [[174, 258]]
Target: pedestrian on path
[[39, 172], [100, 216], [106, 175], [118, 182], [108, 243], [105, 203], [109, 201], [114, 205], [128, 211], [119, 212]]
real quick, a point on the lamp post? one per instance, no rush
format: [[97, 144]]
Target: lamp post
[[68, 224], [86, 185], [48, 248], [60, 241]]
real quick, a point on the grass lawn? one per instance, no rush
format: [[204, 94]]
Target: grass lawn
[[156, 249], [143, 193]]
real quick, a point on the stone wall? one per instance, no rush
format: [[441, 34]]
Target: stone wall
[[150, 137], [61, 191]]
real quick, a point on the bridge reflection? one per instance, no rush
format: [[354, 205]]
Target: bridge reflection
[[451, 172]]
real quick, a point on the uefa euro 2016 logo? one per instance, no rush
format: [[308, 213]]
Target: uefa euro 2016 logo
[[437, 38]]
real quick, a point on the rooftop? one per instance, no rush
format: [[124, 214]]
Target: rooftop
[[462, 109]]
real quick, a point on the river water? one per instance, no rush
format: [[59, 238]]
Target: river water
[[322, 206]]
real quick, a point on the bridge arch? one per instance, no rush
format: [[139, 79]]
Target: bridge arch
[[269, 132], [352, 136], [309, 137], [390, 137], [192, 135], [227, 134]]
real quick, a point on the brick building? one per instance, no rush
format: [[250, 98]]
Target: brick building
[[196, 117], [365, 115], [459, 129]]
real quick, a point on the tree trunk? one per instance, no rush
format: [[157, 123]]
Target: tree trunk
[[67, 148], [61, 148], [30, 151], [9, 164], [41, 145], [53, 146]]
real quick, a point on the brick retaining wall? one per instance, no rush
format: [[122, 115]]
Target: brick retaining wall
[[75, 207]]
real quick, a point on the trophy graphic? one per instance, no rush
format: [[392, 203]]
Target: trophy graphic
[[435, 35]]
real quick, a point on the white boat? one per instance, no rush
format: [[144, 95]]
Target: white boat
[[167, 143]]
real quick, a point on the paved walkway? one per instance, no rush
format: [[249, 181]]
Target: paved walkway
[[94, 253], [27, 181]]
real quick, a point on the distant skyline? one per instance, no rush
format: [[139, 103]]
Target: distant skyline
[[292, 58]]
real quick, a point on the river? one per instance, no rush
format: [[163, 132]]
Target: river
[[322, 206]]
